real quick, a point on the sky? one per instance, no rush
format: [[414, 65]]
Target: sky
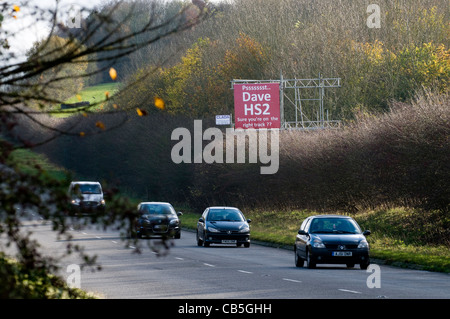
[[27, 28]]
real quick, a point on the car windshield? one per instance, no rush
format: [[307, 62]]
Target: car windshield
[[88, 188], [224, 214], [156, 209], [334, 226]]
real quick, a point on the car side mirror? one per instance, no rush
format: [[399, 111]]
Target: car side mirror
[[201, 220], [249, 220], [302, 232], [179, 213], [367, 233]]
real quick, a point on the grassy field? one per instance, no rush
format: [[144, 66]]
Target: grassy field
[[402, 236], [27, 161], [95, 95]]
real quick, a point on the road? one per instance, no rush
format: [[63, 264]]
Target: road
[[223, 272]]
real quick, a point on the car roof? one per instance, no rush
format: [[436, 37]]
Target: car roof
[[159, 203], [223, 207], [330, 216], [85, 182]]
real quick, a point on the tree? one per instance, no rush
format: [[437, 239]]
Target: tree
[[60, 57]]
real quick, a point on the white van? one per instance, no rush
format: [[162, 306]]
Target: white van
[[86, 196]]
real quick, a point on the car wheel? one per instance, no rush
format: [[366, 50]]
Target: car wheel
[[199, 241], [246, 245], [177, 235], [364, 265], [205, 243], [309, 261], [299, 262]]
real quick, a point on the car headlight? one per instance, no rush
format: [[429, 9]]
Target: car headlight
[[363, 244], [102, 202], [75, 201], [174, 222], [317, 243], [213, 230], [244, 230]]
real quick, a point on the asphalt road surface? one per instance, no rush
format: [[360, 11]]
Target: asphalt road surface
[[187, 271]]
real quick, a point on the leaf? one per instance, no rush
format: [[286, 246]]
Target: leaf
[[82, 134], [141, 112], [107, 95], [100, 125], [16, 8], [78, 97], [159, 103], [113, 73]]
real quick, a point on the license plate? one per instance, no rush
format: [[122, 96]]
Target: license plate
[[342, 253], [228, 241]]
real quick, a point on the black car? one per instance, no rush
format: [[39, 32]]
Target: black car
[[331, 239], [157, 219], [223, 225]]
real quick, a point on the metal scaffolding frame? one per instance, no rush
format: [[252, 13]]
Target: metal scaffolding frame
[[301, 119]]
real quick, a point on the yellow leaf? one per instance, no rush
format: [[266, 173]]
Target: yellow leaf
[[107, 94], [159, 103], [139, 112], [16, 8], [113, 73], [78, 97], [82, 134], [84, 114], [115, 106], [100, 125]]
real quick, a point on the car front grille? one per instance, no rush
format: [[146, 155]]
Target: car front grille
[[341, 246]]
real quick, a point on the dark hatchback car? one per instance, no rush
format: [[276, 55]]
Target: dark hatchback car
[[157, 219], [223, 225], [331, 239]]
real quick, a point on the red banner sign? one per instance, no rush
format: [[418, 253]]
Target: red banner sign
[[257, 106]]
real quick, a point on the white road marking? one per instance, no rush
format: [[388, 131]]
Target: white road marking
[[179, 258], [114, 242], [291, 280], [351, 291], [245, 272], [209, 265]]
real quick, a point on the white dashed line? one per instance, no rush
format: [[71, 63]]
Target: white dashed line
[[291, 280], [114, 242], [179, 258], [209, 265], [351, 291], [245, 272]]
